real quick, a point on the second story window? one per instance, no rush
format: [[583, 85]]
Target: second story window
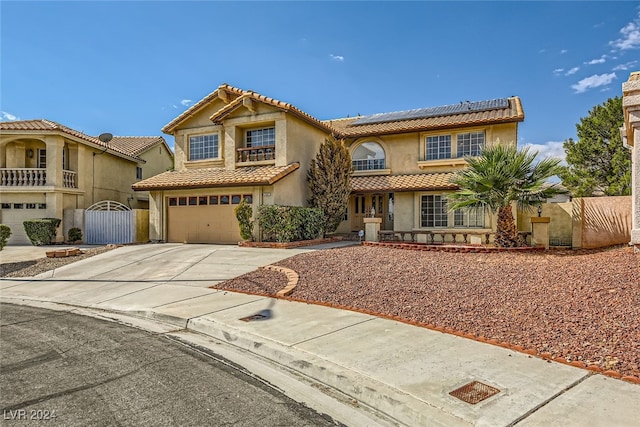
[[470, 144], [438, 147], [368, 156], [138, 172], [264, 137], [42, 158], [203, 147]]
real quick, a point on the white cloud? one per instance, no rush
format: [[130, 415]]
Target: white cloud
[[558, 71], [630, 36], [572, 71], [594, 81], [186, 102], [626, 66], [563, 51], [600, 60], [549, 149], [338, 58], [542, 50], [8, 116], [174, 106]]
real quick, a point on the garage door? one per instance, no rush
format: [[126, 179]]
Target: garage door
[[14, 218], [204, 219]]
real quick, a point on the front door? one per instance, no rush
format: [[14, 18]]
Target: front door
[[367, 206]]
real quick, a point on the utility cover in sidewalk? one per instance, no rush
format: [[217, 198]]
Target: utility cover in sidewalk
[[474, 392], [254, 317]]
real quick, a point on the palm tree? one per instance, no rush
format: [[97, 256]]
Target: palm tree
[[502, 175]]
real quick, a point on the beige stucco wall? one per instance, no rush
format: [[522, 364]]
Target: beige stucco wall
[[605, 221], [403, 152], [560, 225]]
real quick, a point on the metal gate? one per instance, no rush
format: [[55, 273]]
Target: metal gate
[[109, 222]]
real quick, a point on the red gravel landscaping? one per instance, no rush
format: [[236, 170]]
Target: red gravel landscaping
[[581, 306]]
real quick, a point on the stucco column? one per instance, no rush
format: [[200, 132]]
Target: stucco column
[[540, 231], [631, 135], [372, 229], [54, 210], [55, 145]]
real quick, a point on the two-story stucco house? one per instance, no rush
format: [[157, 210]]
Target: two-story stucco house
[[236, 144], [47, 168]]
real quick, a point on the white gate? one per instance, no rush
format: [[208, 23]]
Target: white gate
[[109, 222]]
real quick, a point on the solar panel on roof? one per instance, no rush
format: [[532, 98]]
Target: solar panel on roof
[[422, 113]]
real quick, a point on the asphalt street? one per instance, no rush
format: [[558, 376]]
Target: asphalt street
[[59, 368]]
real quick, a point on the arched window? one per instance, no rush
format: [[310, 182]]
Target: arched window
[[368, 156]]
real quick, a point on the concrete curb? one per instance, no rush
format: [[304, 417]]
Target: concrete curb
[[387, 402]]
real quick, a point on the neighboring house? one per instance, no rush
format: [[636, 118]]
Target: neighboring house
[[631, 137], [236, 144], [47, 168]]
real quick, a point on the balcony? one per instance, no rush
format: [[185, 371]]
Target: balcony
[[256, 155], [33, 177]]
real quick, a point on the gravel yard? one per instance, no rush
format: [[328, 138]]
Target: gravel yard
[[582, 305], [35, 267]]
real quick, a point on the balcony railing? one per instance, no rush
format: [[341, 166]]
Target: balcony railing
[[33, 177], [256, 154]]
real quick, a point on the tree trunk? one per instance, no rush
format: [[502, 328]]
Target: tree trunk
[[506, 230]]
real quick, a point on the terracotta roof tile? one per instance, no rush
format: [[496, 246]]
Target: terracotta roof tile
[[513, 113], [43, 125], [233, 91], [216, 177], [238, 102], [426, 181], [136, 145]]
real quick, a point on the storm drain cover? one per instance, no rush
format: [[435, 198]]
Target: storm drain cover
[[474, 392], [254, 317]]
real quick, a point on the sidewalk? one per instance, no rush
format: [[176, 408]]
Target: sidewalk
[[403, 371]]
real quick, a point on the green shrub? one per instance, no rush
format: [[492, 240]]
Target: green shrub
[[244, 212], [41, 230], [5, 233], [289, 223], [74, 235]]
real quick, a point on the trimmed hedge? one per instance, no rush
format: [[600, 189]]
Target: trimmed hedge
[[41, 230], [75, 234], [5, 233], [289, 223]]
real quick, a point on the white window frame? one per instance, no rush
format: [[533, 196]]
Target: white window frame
[[369, 164], [260, 137], [442, 147], [439, 218], [469, 218], [469, 144], [204, 152], [42, 158]]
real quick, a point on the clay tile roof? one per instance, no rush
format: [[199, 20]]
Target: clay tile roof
[[285, 106], [233, 91], [513, 112], [216, 177], [43, 125], [425, 181], [136, 145]]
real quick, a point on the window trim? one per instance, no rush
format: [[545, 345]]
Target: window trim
[[248, 144], [217, 149], [384, 160], [437, 216]]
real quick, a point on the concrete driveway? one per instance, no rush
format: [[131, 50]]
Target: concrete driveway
[[141, 277]]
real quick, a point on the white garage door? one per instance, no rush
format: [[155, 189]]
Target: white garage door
[[204, 219], [14, 219]]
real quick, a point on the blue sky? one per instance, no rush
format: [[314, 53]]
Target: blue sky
[[131, 67]]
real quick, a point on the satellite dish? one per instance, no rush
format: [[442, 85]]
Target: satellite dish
[[105, 137]]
